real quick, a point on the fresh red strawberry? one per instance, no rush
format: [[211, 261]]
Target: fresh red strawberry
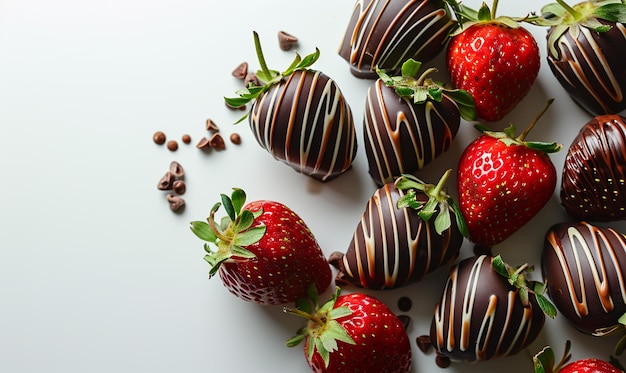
[[488, 309], [405, 233], [352, 333], [503, 182], [586, 45], [409, 120], [495, 59], [544, 362], [300, 117], [263, 251]]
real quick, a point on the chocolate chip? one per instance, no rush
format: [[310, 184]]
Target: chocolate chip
[[179, 187], [251, 78], [211, 126], [286, 41], [405, 304], [405, 320], [177, 170], [166, 181], [186, 138], [217, 142], [159, 138], [176, 202], [203, 144], [442, 361], [423, 343], [235, 138], [241, 71], [172, 145]]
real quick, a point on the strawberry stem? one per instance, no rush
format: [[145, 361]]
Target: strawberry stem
[[532, 124], [422, 78], [441, 184], [259, 52], [569, 9], [494, 6], [312, 317]]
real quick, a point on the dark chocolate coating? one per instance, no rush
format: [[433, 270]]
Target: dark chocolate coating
[[480, 315], [585, 266], [593, 186], [591, 67], [386, 33], [403, 137], [305, 122], [393, 247]]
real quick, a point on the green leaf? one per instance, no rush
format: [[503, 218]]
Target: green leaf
[[339, 312], [304, 305], [250, 236], [238, 198], [324, 353], [406, 91], [554, 36], [546, 147], [203, 231], [615, 12], [245, 221], [620, 346], [309, 60], [543, 361], [442, 221], [460, 220], [240, 252], [295, 340], [428, 210], [236, 101], [411, 67], [499, 266], [546, 306], [228, 206], [484, 13], [337, 332], [435, 93], [595, 25], [622, 319]]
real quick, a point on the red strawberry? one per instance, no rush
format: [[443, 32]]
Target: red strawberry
[[544, 363], [352, 333], [503, 182], [263, 251], [300, 117], [586, 52], [494, 59]]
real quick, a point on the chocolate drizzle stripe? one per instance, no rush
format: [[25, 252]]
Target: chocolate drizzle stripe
[[589, 259]]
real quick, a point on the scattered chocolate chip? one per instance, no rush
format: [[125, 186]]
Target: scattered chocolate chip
[[159, 138], [177, 170], [235, 138], [241, 71], [217, 142], [179, 187], [203, 144], [251, 78], [186, 138], [166, 181], [423, 343], [442, 361], [405, 304], [172, 145], [176, 202], [286, 41], [405, 320], [211, 126]]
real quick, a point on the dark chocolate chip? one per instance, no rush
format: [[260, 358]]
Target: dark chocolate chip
[[217, 142], [172, 145], [176, 202], [211, 126], [177, 170], [405, 304], [286, 41], [159, 138], [166, 181], [241, 71], [179, 186], [235, 138], [423, 343]]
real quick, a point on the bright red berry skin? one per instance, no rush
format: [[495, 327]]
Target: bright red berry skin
[[496, 64], [589, 366], [381, 342], [288, 260], [501, 187]]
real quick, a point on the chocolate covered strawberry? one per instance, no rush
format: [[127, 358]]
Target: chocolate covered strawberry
[[487, 310], [263, 251], [409, 120], [544, 362], [352, 333], [300, 117], [586, 44], [384, 34], [584, 266], [494, 58], [503, 182], [405, 232], [593, 184]]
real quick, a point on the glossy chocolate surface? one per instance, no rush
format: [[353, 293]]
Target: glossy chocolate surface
[[585, 268], [591, 68], [593, 186], [394, 247], [480, 315], [318, 137], [386, 33], [402, 137]]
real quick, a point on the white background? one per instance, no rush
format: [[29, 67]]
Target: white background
[[96, 273]]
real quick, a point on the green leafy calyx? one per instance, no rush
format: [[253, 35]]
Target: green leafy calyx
[[323, 332], [438, 202], [509, 136], [227, 240], [565, 18], [468, 17], [517, 278], [267, 77], [420, 88], [544, 360]]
